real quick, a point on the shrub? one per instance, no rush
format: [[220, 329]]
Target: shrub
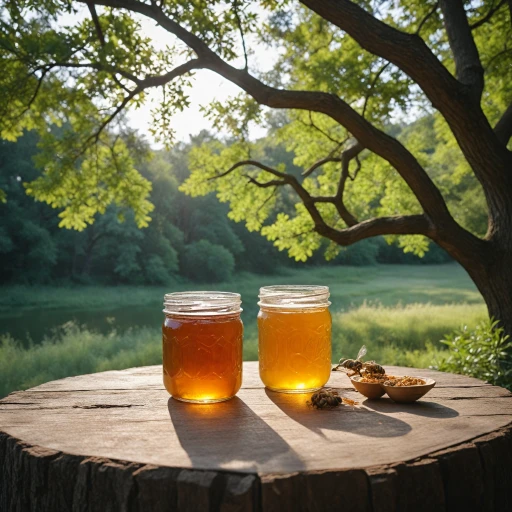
[[207, 262], [156, 271], [484, 353], [361, 254]]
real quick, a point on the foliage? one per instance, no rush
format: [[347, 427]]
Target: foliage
[[113, 250], [70, 71], [207, 262], [364, 253], [74, 350], [390, 332], [482, 352], [314, 55]]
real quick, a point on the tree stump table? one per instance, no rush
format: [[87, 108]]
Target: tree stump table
[[116, 441]]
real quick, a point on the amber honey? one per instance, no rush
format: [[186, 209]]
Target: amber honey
[[202, 352], [294, 339]]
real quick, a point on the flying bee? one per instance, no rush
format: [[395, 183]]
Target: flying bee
[[353, 365]]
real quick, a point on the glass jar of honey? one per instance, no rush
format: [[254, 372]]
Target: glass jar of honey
[[294, 331], [202, 346]]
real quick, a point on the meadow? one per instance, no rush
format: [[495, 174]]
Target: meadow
[[400, 312]]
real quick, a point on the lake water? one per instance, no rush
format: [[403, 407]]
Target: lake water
[[36, 324]]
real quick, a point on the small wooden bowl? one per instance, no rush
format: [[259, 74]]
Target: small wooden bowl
[[408, 394], [369, 390]]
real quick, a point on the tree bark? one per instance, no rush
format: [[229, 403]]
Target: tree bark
[[114, 435], [489, 264], [494, 282]]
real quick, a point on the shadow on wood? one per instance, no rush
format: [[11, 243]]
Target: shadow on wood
[[421, 408], [114, 441], [342, 419], [225, 432]]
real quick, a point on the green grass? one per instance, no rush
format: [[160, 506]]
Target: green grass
[[402, 335], [406, 336], [74, 351], [399, 312], [388, 284]]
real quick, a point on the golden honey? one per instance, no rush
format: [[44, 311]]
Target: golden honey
[[202, 348], [294, 331]]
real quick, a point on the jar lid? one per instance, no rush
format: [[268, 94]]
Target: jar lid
[[202, 303], [294, 296]]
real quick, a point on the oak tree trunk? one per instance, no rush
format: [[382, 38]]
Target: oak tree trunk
[[488, 261], [495, 279], [494, 282]]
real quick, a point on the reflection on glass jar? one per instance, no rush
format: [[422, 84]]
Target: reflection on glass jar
[[294, 329], [202, 346]]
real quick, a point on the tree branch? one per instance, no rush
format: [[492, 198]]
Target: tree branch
[[398, 225], [304, 195], [96, 21], [255, 163], [158, 80], [406, 51], [240, 29], [101, 37], [266, 184], [312, 124], [96, 135], [427, 17], [92, 65], [487, 17], [457, 102], [503, 128], [347, 156], [468, 68], [319, 163], [40, 80], [151, 81], [368, 135], [372, 86]]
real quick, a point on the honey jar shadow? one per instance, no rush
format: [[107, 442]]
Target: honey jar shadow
[[229, 435], [360, 421]]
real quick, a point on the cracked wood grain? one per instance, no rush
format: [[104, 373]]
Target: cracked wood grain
[[115, 441]]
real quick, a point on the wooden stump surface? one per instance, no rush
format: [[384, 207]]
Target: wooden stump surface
[[117, 441]]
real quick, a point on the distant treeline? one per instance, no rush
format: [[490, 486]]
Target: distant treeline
[[188, 238]]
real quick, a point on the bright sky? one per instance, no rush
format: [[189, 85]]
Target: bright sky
[[206, 87]]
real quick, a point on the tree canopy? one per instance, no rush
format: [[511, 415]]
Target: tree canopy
[[346, 75], [188, 238]]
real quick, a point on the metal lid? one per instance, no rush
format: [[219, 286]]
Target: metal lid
[[294, 296], [202, 303]]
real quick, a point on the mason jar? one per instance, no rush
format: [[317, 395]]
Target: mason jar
[[202, 346], [294, 333]]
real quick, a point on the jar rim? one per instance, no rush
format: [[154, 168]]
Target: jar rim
[[294, 296], [203, 303]]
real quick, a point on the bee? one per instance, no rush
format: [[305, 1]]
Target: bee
[[325, 399], [353, 365], [372, 368], [356, 366], [328, 399]]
